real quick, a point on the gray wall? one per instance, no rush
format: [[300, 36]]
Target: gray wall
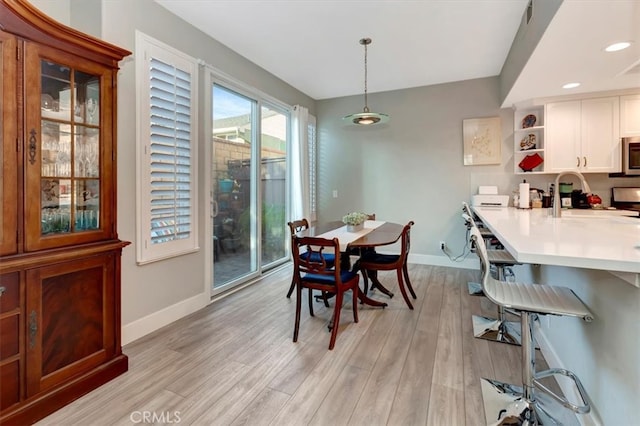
[[525, 41], [151, 288], [408, 169], [160, 292], [605, 353], [411, 167]]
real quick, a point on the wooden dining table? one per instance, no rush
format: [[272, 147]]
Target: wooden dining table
[[375, 234]]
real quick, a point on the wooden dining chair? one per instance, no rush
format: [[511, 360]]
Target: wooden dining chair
[[315, 269], [295, 227], [373, 262]]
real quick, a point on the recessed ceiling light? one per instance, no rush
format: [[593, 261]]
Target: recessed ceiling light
[[570, 85], [617, 46]]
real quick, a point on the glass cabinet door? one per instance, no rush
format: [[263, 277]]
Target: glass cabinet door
[[64, 159]]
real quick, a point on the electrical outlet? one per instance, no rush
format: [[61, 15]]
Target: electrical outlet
[[443, 245]]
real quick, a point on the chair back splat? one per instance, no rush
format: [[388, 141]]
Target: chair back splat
[[315, 268]]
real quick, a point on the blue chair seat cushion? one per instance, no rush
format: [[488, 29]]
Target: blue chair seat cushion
[[328, 279], [380, 258], [314, 256]]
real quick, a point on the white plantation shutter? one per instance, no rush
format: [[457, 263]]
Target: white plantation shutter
[[313, 176], [170, 152], [167, 98]]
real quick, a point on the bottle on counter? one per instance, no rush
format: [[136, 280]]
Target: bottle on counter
[[523, 190]]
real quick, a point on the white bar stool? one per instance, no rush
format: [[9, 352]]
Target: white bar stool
[[502, 259], [526, 405], [494, 329]]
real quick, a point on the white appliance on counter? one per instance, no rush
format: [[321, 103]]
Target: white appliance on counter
[[488, 196]]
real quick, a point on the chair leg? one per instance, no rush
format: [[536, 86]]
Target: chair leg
[[402, 289], [291, 287], [336, 318], [354, 302], [296, 326], [311, 302], [325, 298], [405, 272]]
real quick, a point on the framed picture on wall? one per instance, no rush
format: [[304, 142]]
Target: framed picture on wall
[[482, 139]]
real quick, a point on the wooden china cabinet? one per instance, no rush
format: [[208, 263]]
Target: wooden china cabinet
[[59, 248]]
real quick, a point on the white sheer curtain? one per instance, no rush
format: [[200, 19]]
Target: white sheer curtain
[[300, 202]]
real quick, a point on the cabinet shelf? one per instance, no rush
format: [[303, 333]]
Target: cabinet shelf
[[528, 151], [529, 129], [534, 134]]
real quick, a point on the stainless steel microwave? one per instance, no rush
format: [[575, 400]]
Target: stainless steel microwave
[[631, 155]]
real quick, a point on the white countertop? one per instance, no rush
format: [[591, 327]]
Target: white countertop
[[594, 239]]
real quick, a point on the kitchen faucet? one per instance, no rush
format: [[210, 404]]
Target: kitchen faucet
[[556, 191]]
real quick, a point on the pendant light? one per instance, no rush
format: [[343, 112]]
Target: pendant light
[[366, 117]]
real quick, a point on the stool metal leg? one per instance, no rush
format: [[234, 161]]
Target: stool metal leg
[[497, 330], [507, 404]]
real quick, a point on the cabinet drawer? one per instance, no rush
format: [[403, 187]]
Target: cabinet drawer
[[10, 379], [10, 292], [10, 331]]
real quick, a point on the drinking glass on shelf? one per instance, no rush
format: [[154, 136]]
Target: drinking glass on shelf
[[55, 220]]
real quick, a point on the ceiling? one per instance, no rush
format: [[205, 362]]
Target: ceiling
[[314, 44]]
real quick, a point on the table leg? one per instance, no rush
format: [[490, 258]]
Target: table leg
[[375, 283], [364, 299]]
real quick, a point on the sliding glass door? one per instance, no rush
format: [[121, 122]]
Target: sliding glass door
[[273, 176], [249, 186]]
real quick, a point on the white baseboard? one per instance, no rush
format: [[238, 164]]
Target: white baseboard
[[568, 389], [159, 319]]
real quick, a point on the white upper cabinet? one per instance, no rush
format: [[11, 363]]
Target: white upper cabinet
[[583, 135], [601, 149], [629, 115], [563, 136]]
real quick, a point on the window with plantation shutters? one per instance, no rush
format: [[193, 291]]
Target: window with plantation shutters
[[313, 176], [166, 182], [170, 152]]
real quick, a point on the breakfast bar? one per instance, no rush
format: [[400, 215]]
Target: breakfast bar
[[596, 253], [607, 240]]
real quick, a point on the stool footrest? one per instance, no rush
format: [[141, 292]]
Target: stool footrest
[[580, 409]]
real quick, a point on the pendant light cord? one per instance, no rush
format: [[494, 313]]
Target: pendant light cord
[[366, 108], [365, 42]]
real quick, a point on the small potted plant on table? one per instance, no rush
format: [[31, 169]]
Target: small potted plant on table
[[355, 221]]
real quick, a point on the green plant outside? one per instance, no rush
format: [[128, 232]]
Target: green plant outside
[[273, 229]]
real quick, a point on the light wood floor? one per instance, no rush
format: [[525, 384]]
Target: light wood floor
[[234, 362]]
